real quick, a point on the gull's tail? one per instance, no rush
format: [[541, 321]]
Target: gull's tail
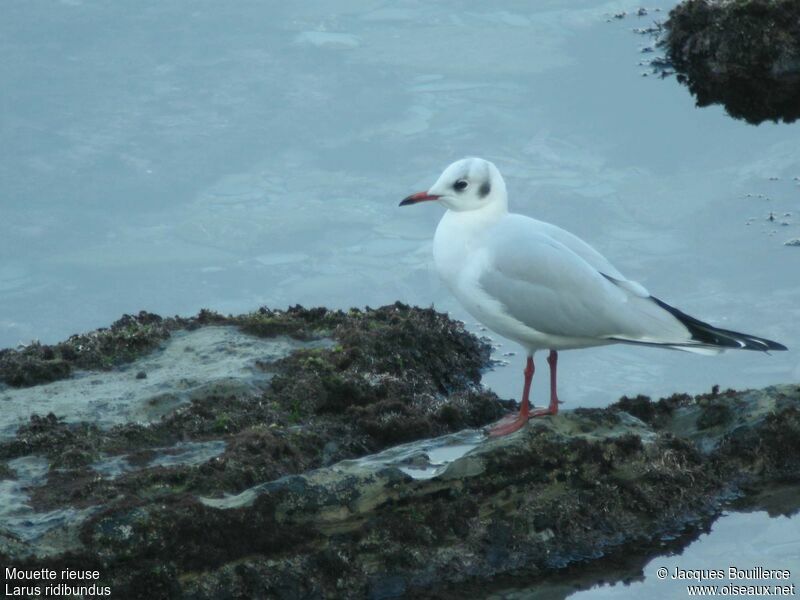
[[708, 336]]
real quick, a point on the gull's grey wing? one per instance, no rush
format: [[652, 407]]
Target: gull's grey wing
[[593, 257], [549, 287]]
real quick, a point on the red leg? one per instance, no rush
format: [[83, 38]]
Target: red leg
[[552, 361], [512, 423]]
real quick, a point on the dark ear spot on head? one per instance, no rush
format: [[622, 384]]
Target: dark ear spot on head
[[484, 190]]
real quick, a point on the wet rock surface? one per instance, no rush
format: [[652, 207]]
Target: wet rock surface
[[385, 376], [742, 54], [127, 338], [355, 466]]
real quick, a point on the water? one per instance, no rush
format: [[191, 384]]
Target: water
[[188, 365], [740, 541], [169, 157], [425, 459], [54, 530]]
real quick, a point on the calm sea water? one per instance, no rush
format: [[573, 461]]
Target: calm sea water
[[171, 156]]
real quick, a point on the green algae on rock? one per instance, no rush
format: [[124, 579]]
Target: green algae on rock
[[126, 339], [237, 488], [382, 375], [563, 490], [744, 54]]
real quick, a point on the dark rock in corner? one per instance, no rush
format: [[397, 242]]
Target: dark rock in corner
[[744, 54]]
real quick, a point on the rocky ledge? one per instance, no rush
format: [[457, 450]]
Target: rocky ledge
[[744, 54], [323, 454]]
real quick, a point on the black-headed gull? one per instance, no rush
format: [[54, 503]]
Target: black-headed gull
[[541, 286]]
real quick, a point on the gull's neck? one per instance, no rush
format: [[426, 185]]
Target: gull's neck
[[475, 220], [459, 234]]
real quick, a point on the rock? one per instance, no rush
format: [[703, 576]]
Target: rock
[[563, 490], [127, 339], [358, 469], [744, 54]]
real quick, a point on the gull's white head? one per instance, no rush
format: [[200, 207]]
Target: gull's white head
[[467, 184]]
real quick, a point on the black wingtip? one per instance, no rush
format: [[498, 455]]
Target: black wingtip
[[714, 336], [775, 345]]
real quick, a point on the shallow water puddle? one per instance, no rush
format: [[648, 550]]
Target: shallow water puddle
[[17, 516], [189, 363], [183, 453], [423, 459]]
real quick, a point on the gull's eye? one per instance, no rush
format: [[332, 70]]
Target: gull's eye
[[460, 185]]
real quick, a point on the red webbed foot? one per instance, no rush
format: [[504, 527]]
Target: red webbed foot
[[509, 424]]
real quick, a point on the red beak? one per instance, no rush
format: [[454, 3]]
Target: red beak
[[418, 197]]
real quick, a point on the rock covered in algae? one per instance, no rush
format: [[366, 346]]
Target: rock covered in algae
[[342, 457], [744, 54]]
